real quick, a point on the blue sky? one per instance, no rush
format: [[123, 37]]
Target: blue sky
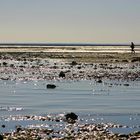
[[97, 21]]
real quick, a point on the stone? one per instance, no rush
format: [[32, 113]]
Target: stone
[[99, 81], [73, 63], [123, 136], [62, 74], [71, 117], [125, 60], [18, 128], [135, 59], [137, 133], [51, 86], [126, 85], [3, 126]]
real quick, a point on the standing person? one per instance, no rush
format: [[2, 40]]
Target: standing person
[[132, 46]]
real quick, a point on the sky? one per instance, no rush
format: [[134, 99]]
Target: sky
[[76, 21]]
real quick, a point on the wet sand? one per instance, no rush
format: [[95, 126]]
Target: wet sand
[[85, 54]]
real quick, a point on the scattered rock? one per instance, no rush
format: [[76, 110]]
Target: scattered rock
[[126, 61], [137, 133], [79, 67], [3, 126], [73, 63], [51, 86], [5, 64], [12, 65], [44, 70], [116, 60], [18, 128], [123, 136], [135, 59], [62, 130], [99, 81], [126, 85], [62, 74], [48, 131], [71, 117]]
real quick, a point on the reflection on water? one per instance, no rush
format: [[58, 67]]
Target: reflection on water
[[107, 101]]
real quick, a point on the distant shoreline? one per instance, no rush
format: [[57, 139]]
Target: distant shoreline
[[63, 44], [121, 49], [79, 54]]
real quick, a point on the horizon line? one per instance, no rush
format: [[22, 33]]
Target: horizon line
[[66, 44]]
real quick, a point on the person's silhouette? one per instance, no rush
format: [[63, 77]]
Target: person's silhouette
[[132, 46]]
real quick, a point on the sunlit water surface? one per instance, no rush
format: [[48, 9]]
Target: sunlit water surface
[[110, 101]]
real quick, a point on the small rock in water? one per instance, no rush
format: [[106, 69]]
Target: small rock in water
[[71, 117], [99, 81], [126, 85], [3, 126], [52, 86]]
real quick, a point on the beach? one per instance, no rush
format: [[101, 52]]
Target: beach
[[102, 79]]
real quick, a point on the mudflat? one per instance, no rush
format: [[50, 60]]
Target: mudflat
[[81, 54]]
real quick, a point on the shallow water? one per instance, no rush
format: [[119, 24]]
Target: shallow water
[[110, 101]]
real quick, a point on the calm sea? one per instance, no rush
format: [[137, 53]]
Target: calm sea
[[110, 101]]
